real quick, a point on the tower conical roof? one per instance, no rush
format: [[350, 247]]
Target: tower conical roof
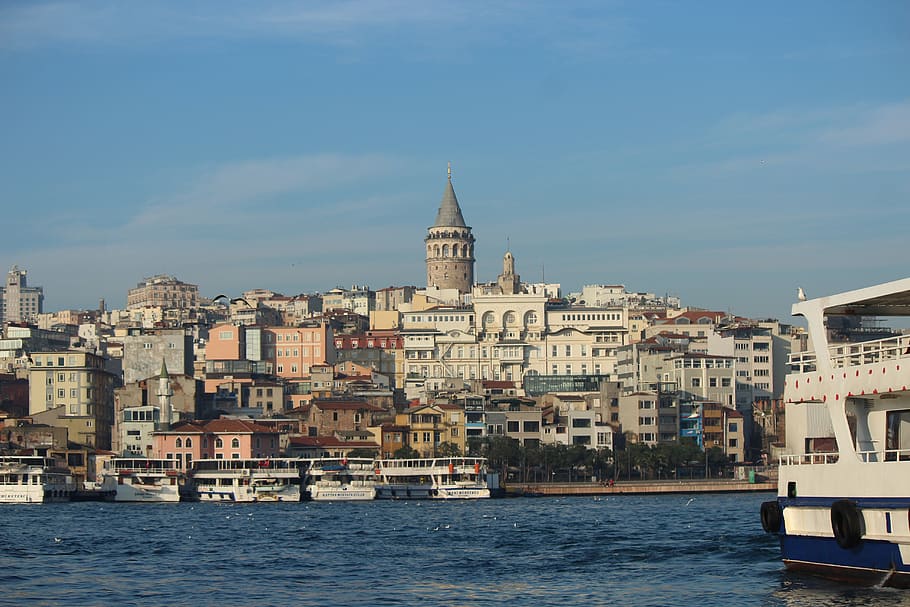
[[164, 373], [449, 214]]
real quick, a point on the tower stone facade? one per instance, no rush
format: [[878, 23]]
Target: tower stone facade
[[450, 246]]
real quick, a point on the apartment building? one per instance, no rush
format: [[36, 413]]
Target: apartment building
[[163, 291], [79, 391]]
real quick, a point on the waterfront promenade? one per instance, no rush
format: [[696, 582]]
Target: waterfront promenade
[[640, 487]]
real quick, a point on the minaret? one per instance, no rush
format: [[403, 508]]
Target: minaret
[[164, 397], [450, 246]]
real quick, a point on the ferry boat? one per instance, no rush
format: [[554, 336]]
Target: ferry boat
[[139, 479], [247, 480], [843, 503], [341, 480], [33, 479], [432, 478]]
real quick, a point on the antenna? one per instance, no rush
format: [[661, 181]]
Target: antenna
[[450, 171]]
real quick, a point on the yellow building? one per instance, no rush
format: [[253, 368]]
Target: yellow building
[[78, 382], [429, 426]]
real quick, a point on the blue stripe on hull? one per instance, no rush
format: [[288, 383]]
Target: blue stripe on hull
[[885, 503], [872, 561]]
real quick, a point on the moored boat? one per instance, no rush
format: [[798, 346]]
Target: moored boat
[[844, 486], [344, 479], [33, 479], [138, 479], [248, 480], [432, 478]]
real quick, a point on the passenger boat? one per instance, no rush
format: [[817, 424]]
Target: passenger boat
[[432, 478], [33, 479], [247, 480], [843, 504], [138, 479], [346, 479]]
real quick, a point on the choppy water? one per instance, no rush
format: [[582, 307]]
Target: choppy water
[[622, 550]]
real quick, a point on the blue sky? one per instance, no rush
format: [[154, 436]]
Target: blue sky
[[724, 152]]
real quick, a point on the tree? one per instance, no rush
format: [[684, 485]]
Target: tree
[[406, 452], [362, 452], [447, 449]]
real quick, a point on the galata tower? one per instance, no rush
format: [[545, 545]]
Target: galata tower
[[450, 246]]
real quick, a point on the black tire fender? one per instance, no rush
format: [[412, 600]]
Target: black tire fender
[[846, 523], [771, 516]]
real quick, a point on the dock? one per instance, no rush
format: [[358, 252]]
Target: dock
[[638, 488]]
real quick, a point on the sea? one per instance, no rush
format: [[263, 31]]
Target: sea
[[679, 550]]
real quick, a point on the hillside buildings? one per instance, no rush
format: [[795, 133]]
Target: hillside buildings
[[445, 367]]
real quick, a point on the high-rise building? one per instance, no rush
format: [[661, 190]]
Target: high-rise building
[[450, 246], [20, 302]]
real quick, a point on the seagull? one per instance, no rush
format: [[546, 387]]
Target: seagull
[[800, 294]]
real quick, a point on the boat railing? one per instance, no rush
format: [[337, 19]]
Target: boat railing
[[854, 354], [267, 464], [806, 459], [868, 457]]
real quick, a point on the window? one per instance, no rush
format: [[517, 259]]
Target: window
[[513, 426], [733, 442], [178, 443], [188, 443], [568, 350], [712, 382], [61, 393], [531, 426], [235, 443], [645, 421], [725, 382], [219, 443], [732, 427], [696, 382]]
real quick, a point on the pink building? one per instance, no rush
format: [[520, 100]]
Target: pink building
[[215, 439], [289, 351]]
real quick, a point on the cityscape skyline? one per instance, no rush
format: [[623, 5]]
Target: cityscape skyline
[[725, 155]]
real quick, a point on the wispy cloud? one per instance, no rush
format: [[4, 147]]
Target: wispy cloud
[[827, 138], [240, 188], [431, 25]]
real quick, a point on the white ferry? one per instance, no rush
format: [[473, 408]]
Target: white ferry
[[432, 478], [341, 480], [32, 479], [138, 479], [844, 491], [247, 480]]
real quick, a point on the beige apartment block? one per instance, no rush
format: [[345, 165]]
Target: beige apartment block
[[78, 382], [163, 291]]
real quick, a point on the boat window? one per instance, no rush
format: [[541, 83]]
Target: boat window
[[897, 441]]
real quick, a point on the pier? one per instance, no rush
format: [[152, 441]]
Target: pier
[[638, 487]]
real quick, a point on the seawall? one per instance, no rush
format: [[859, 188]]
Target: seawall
[[638, 488]]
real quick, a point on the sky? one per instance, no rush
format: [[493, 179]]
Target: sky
[[722, 152]]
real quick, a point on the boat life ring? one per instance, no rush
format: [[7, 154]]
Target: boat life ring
[[846, 523], [771, 516]]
